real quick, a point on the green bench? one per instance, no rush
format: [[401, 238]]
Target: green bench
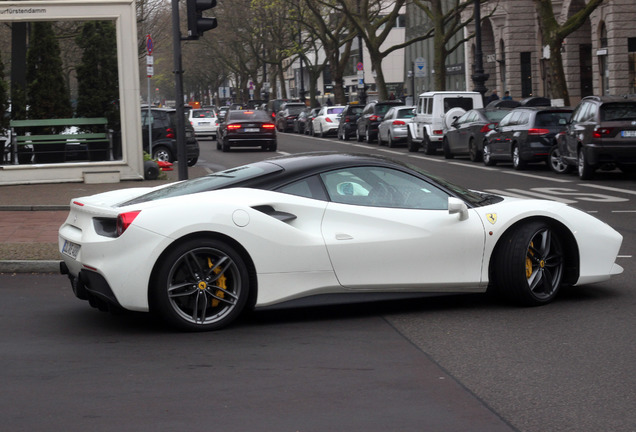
[[60, 147]]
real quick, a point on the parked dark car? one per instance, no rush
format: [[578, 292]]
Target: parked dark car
[[275, 105], [286, 116], [370, 118], [600, 134], [164, 138], [348, 121], [309, 130], [247, 128], [524, 135], [466, 135], [300, 122]]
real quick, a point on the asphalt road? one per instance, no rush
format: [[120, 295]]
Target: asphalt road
[[449, 363]]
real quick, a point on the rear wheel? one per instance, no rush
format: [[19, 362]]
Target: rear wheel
[[358, 136], [200, 285], [391, 143], [428, 147], [529, 265], [368, 137], [413, 145]]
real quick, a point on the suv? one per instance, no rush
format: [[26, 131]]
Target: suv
[[525, 135], [289, 112], [348, 121], [434, 113], [371, 117], [164, 138], [600, 134]]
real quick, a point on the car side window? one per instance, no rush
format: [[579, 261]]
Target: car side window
[[579, 114], [310, 187], [382, 187], [429, 106], [506, 120]]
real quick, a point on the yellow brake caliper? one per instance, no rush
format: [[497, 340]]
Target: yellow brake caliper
[[529, 262], [220, 283]]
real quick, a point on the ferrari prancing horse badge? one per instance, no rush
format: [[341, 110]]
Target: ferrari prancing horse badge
[[492, 217]]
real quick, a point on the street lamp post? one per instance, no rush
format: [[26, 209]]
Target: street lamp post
[[479, 77]]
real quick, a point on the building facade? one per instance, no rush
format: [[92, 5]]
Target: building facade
[[599, 58]]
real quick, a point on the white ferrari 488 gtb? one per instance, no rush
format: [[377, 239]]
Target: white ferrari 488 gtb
[[201, 251]]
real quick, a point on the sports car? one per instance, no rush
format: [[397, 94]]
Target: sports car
[[201, 251]]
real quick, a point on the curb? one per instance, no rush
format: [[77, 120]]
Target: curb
[[30, 266]]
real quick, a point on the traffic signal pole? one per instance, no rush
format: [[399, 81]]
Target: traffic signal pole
[[178, 85], [197, 24]]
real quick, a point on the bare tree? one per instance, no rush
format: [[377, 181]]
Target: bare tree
[[554, 34]]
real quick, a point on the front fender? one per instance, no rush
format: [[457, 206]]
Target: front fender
[[412, 130]]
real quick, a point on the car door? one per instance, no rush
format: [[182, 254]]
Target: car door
[[500, 144], [386, 229], [576, 130]]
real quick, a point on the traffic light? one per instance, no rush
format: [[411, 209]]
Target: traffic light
[[197, 23]]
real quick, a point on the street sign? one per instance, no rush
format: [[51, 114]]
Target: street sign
[[149, 44], [419, 67], [359, 66], [150, 71]]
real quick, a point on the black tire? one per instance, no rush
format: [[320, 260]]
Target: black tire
[[529, 264], [391, 142], [225, 147], [473, 151], [368, 138], [163, 154], [426, 145], [412, 145], [586, 171], [192, 161], [358, 136], [555, 162], [447, 152], [218, 145], [200, 285], [517, 163], [151, 170], [486, 157]]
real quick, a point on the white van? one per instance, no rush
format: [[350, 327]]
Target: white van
[[434, 113]]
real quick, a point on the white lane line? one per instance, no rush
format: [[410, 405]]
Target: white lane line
[[609, 188], [538, 195], [623, 211]]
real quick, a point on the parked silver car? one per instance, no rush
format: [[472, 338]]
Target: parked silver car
[[393, 127]]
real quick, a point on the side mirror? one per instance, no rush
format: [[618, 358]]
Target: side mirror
[[457, 206]]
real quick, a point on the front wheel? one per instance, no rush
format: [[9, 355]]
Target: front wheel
[[200, 285], [487, 156], [473, 151], [555, 162], [413, 145], [517, 162], [447, 151], [529, 265], [586, 171], [428, 147]]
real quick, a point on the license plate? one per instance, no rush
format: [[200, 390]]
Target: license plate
[[204, 123], [71, 249], [629, 134], [248, 130]]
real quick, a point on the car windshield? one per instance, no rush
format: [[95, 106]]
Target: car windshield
[[336, 110], [219, 180], [202, 114], [471, 197], [248, 115], [406, 113], [496, 115], [295, 109], [547, 118], [618, 111]]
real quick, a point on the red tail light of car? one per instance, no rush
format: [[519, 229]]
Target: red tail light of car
[[438, 132], [347, 120], [170, 133], [268, 126], [124, 220], [601, 132], [398, 123], [328, 120], [375, 117], [538, 131], [487, 127], [233, 126]]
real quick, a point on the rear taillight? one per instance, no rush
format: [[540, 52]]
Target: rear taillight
[[600, 132], [438, 132], [398, 123], [233, 126], [487, 127], [328, 120], [169, 133], [124, 220], [375, 118], [538, 131], [347, 120], [269, 126]]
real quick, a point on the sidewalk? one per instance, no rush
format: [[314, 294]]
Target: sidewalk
[[30, 216]]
